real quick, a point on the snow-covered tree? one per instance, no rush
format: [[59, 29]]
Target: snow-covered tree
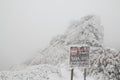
[[86, 31]]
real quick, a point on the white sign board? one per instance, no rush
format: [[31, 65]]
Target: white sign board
[[79, 56]]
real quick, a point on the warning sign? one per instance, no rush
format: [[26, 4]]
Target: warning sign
[[79, 56]]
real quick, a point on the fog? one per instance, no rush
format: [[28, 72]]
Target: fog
[[26, 26]]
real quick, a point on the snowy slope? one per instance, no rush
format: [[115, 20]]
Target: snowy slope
[[42, 72]]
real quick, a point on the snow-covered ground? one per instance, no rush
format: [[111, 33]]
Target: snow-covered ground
[[43, 72]]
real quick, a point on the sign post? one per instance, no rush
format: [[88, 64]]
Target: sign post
[[72, 73], [79, 57], [84, 73]]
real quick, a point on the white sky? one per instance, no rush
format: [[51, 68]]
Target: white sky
[[26, 26]]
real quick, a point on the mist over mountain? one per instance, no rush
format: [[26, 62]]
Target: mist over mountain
[[54, 59], [86, 31]]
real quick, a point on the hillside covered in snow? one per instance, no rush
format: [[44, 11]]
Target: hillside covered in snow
[[52, 63]]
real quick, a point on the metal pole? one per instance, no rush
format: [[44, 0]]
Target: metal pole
[[72, 73], [84, 73]]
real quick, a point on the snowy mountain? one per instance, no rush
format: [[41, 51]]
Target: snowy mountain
[[52, 63], [86, 31]]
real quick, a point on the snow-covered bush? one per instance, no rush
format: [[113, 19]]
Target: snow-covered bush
[[106, 65]]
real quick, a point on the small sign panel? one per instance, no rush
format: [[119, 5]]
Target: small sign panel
[[79, 56]]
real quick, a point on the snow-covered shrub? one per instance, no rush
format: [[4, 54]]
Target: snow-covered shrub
[[106, 65]]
